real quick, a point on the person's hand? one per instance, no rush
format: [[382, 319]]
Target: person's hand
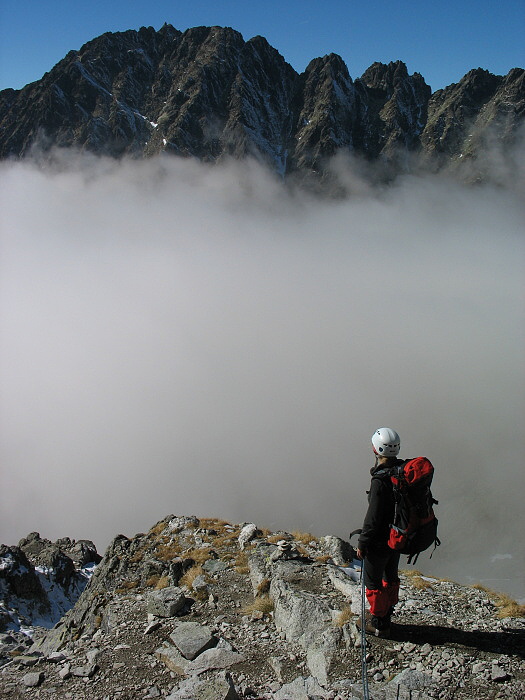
[[360, 554]]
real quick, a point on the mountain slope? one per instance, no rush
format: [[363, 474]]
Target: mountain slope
[[208, 93]]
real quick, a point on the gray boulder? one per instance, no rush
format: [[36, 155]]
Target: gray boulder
[[87, 671], [322, 654], [167, 602], [214, 566], [208, 660], [220, 687], [300, 615], [216, 658], [191, 639], [184, 522], [301, 689], [248, 533], [173, 660], [340, 551], [33, 680]]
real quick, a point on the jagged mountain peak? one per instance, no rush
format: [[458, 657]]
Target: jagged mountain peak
[[208, 93], [329, 62], [477, 86], [384, 76]]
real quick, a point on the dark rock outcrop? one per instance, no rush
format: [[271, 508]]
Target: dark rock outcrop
[[18, 577], [40, 580], [209, 94], [476, 121]]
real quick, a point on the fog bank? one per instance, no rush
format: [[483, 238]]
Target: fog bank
[[183, 339]]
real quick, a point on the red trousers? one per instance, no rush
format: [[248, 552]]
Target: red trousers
[[382, 599], [381, 580]]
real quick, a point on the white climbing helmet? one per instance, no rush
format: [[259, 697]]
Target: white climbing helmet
[[386, 442]]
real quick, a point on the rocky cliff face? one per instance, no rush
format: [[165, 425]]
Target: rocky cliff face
[[209, 94], [198, 609], [41, 580], [481, 114]]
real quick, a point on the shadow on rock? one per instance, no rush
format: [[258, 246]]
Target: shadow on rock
[[508, 641]]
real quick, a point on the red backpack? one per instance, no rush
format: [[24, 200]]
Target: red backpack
[[415, 526]]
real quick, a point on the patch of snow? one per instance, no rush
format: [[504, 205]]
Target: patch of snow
[[26, 614], [8, 561], [343, 94], [153, 124], [60, 600], [85, 74]]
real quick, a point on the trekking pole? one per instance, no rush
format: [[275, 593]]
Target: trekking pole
[[364, 672]]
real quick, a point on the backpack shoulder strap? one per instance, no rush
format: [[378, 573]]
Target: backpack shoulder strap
[[382, 473]]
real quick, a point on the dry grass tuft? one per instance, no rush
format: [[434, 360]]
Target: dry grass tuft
[[323, 558], [416, 579], [157, 529], [304, 537], [199, 556], [241, 563], [273, 539], [263, 604], [481, 587], [508, 607], [225, 540], [168, 551], [138, 556], [346, 615], [411, 572], [213, 524], [158, 582], [126, 586], [163, 582], [264, 587], [420, 583], [191, 574]]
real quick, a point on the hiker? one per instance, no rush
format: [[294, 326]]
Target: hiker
[[380, 562]]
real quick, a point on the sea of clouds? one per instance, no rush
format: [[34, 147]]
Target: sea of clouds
[[187, 339]]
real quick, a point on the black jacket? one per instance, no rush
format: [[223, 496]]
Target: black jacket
[[380, 513]]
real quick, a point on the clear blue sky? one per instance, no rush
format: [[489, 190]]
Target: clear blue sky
[[441, 40]]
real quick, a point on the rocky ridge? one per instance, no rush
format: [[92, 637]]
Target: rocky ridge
[[40, 580], [209, 94], [205, 609]]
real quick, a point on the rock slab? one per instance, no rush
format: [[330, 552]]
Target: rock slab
[[192, 638], [167, 602]]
